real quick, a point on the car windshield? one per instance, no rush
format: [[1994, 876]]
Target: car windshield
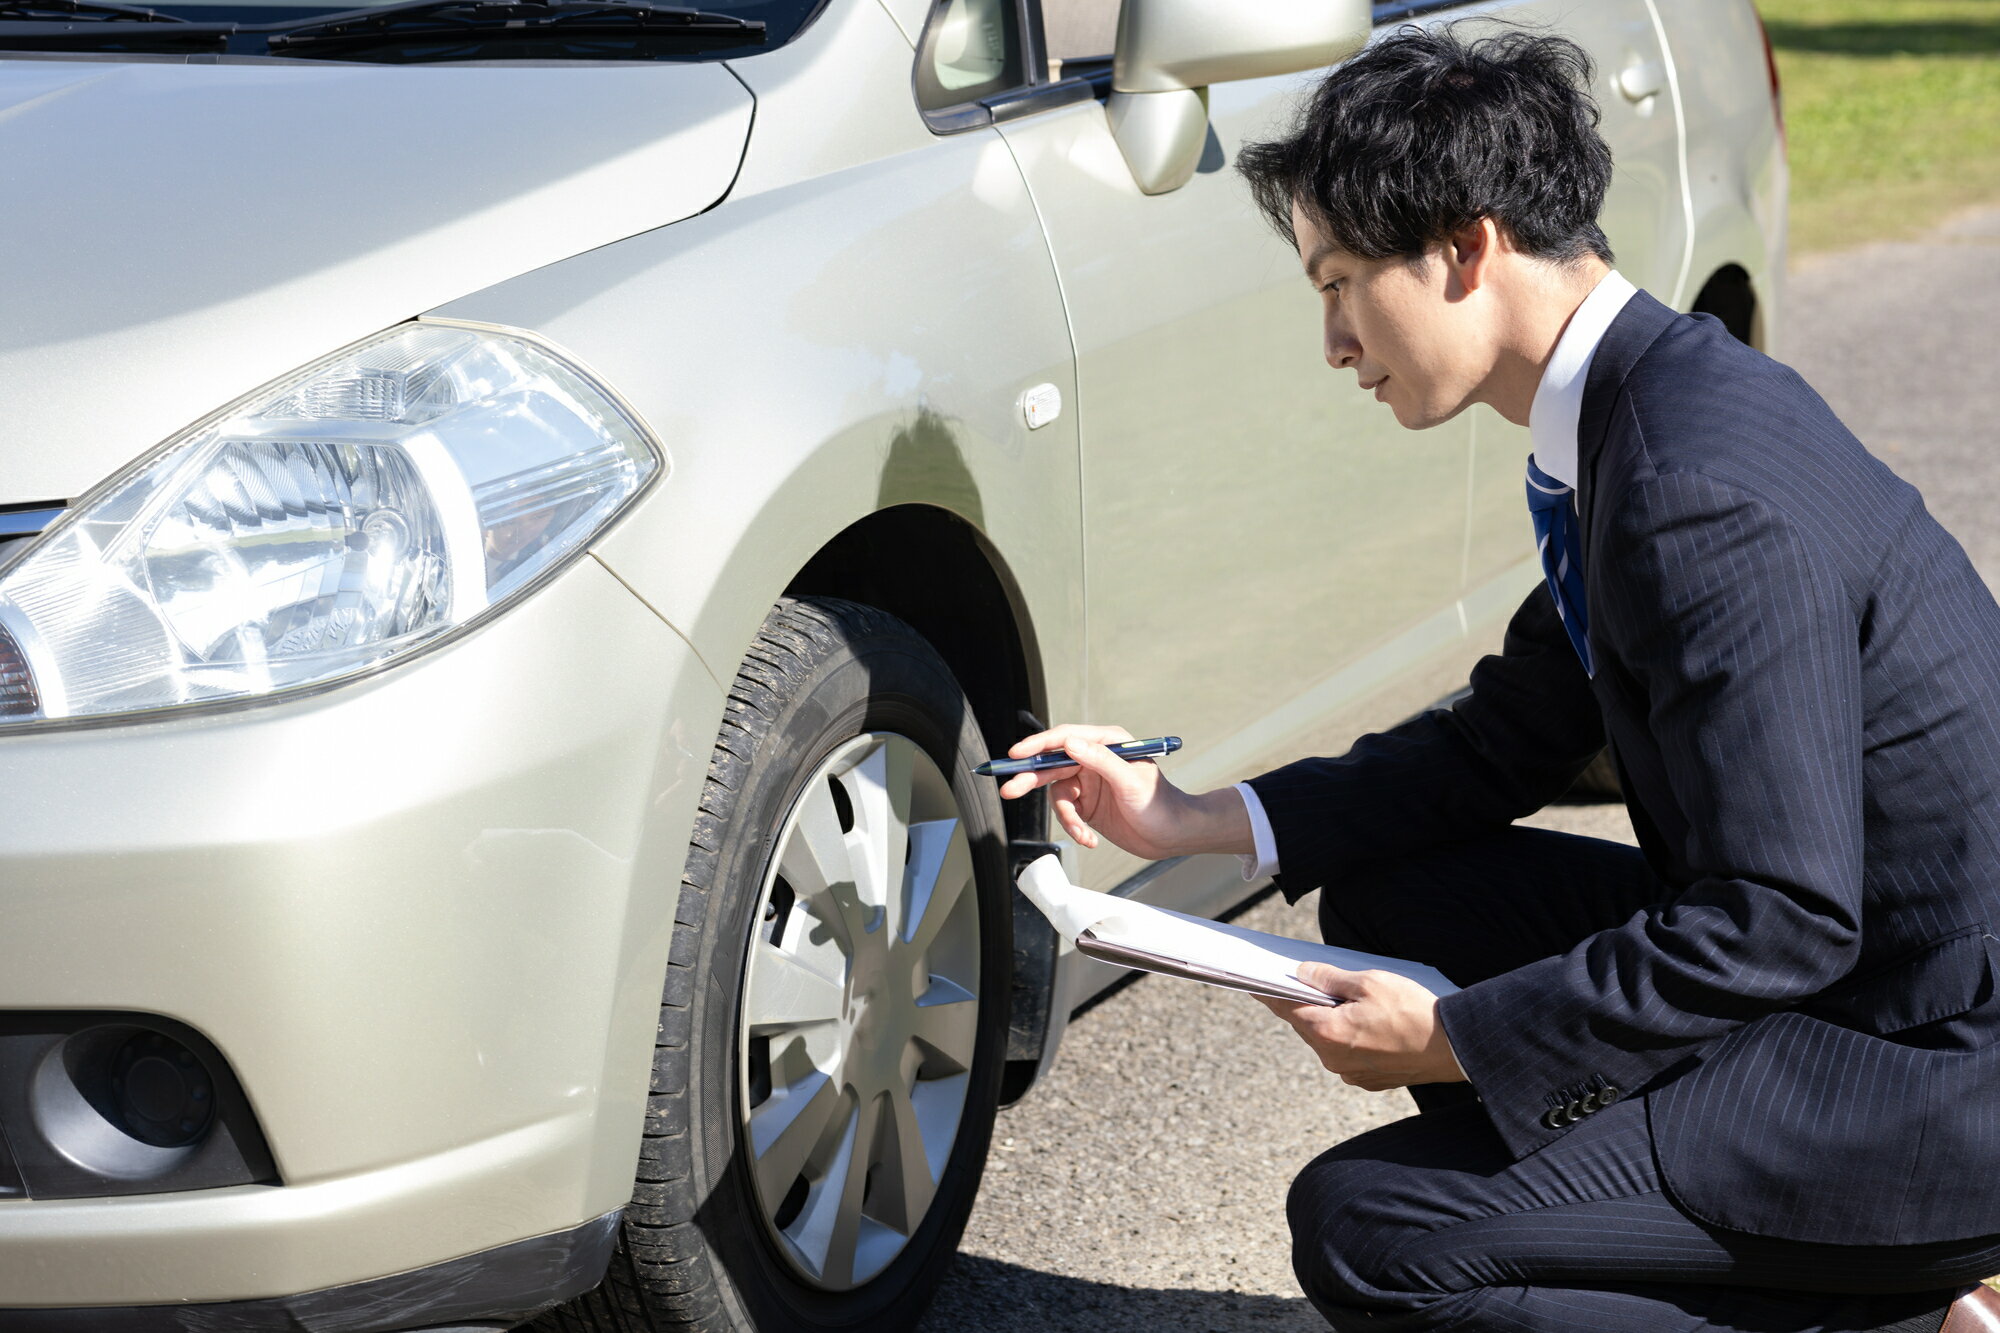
[[456, 30]]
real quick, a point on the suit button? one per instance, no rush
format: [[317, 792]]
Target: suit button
[[1577, 1110], [1555, 1119], [1608, 1094]]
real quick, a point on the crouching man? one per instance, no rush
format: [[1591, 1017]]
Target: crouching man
[[1744, 1076]]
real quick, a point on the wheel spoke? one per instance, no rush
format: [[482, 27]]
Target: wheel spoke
[[948, 1023], [940, 869], [785, 1130], [905, 1182], [880, 788], [812, 1232], [818, 861], [784, 993], [844, 1195]]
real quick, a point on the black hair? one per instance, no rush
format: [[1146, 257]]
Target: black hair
[[1422, 134]]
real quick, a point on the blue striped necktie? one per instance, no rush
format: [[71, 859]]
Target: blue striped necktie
[[1561, 545]]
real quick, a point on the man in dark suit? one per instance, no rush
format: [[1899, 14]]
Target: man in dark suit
[[1746, 1075]]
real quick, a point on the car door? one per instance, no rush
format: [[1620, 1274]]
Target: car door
[[1263, 545], [1646, 218]]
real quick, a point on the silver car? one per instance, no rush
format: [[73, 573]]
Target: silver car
[[517, 520]]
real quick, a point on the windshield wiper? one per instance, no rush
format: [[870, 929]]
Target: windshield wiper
[[93, 10], [63, 25], [419, 20]]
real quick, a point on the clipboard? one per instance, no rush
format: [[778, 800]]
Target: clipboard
[[1132, 934], [1125, 955]]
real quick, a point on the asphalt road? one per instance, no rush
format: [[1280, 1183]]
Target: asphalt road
[[1141, 1186]]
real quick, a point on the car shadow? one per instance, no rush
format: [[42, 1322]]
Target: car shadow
[[1899, 37], [989, 1296]]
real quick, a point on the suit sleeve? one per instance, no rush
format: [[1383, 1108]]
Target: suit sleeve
[[1520, 736], [1745, 650]]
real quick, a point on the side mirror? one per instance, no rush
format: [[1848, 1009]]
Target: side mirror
[[1169, 51]]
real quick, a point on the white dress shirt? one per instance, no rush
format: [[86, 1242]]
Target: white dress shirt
[[1552, 422]]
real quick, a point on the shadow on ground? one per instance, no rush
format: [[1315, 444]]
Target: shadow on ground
[[1889, 37], [988, 1296]]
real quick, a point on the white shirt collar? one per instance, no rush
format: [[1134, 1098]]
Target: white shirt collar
[[1552, 419]]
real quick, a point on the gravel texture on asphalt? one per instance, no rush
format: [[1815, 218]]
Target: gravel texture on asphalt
[[1141, 1185]]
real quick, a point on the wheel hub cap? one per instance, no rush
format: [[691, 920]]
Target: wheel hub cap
[[860, 1010]]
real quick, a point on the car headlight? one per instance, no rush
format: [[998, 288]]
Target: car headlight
[[345, 514]]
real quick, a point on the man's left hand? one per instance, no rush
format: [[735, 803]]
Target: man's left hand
[[1386, 1035]]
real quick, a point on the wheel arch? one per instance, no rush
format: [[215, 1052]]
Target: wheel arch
[[1735, 260], [1731, 296], [926, 565], [931, 568]]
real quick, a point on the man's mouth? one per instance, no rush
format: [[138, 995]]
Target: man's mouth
[[1376, 385]]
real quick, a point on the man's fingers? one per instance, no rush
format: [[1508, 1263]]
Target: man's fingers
[[1023, 783], [1330, 980], [1058, 738], [1080, 833], [1117, 773]]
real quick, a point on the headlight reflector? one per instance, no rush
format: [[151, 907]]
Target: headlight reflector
[[342, 515]]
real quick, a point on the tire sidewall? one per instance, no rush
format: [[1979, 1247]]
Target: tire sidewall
[[886, 679]]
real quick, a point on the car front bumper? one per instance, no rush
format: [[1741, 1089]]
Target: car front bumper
[[425, 919]]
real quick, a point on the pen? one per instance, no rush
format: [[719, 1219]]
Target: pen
[[1007, 768]]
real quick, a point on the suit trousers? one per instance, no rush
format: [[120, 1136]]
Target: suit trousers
[[1430, 1223]]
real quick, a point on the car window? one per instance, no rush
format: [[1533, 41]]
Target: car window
[[1080, 29], [972, 49]]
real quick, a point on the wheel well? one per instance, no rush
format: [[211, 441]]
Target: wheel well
[[1730, 296], [933, 569]]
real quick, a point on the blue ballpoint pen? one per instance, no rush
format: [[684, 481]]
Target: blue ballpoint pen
[[1007, 768]]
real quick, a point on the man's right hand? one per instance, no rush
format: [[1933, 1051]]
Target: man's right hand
[[1128, 801]]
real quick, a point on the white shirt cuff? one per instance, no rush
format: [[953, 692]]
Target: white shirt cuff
[[1263, 862]]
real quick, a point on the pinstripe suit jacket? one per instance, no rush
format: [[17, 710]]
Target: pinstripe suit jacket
[[1799, 678]]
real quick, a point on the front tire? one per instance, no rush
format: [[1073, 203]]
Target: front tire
[[834, 1020]]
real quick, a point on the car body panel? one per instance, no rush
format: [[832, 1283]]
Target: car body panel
[[328, 201], [837, 96], [899, 307], [1208, 408], [1737, 173], [426, 918]]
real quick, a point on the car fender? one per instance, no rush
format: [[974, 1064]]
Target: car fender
[[821, 351]]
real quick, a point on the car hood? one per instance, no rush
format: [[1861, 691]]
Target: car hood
[[177, 234]]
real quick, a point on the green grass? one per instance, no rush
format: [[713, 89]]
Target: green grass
[[1893, 108]]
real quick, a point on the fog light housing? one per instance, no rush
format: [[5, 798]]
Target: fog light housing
[[109, 1104]]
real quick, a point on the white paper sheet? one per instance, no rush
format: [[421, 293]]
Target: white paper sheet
[[1264, 960]]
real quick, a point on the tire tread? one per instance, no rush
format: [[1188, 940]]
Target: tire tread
[[661, 1278]]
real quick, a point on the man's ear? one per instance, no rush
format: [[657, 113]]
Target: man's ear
[[1469, 254]]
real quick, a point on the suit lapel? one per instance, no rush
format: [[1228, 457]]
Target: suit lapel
[[1601, 453], [1634, 330]]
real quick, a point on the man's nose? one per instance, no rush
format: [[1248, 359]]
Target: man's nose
[[1342, 350]]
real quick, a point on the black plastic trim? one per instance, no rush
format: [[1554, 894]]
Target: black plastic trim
[[10, 1176], [505, 1286], [1094, 70], [1409, 9], [1018, 102], [958, 119]]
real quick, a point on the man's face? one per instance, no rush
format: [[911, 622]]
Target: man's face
[[1409, 333]]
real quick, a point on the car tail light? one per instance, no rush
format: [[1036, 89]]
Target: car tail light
[[1771, 68]]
